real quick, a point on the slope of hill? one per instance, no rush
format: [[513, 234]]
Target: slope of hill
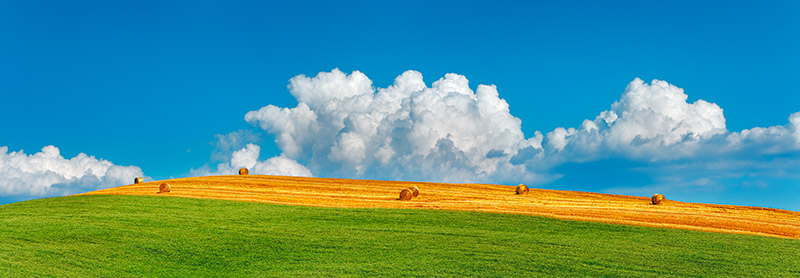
[[147, 236], [570, 205]]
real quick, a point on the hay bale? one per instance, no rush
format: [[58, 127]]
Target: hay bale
[[406, 194], [657, 199], [522, 189], [164, 188], [243, 171], [138, 180], [414, 190]]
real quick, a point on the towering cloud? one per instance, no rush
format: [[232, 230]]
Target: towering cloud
[[47, 173], [342, 126]]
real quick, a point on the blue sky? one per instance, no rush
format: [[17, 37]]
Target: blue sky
[[151, 84]]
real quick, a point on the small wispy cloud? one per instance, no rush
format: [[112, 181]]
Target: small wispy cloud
[[248, 157]]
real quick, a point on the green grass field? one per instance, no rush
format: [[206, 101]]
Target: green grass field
[[154, 236]]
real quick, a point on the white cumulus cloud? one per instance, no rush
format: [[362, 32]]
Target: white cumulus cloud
[[648, 122], [342, 126], [47, 173], [659, 114]]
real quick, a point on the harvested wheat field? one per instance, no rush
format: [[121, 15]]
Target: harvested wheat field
[[607, 208]]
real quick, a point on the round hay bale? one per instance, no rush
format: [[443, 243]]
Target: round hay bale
[[164, 188], [138, 180], [414, 190], [406, 194], [657, 199], [243, 171], [522, 189]]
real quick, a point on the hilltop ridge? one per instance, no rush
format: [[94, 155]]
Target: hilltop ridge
[[571, 205]]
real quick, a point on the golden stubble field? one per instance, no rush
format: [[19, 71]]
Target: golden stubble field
[[607, 208]]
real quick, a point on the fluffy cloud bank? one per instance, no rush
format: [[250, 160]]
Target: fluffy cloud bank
[[344, 126], [47, 173]]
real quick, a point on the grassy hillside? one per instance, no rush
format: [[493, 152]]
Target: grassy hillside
[[146, 236]]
